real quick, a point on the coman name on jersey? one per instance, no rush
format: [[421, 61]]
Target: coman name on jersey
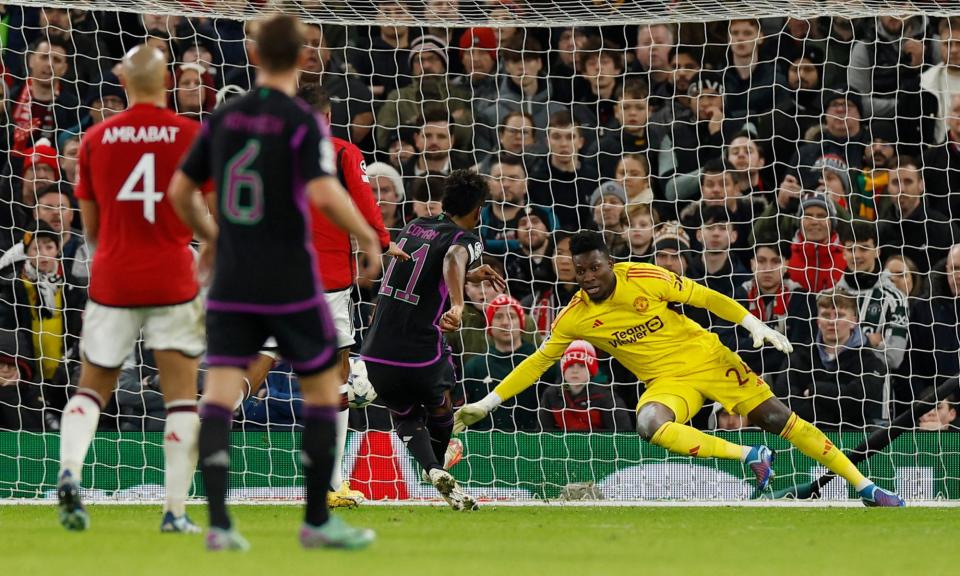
[[137, 134]]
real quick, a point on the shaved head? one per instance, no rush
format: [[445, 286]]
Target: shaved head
[[144, 71]]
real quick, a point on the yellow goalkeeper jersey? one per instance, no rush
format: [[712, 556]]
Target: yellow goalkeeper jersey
[[638, 324]]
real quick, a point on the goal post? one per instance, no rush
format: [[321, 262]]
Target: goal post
[[716, 138]]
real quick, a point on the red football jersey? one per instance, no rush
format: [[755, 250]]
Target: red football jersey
[[333, 247], [142, 257]]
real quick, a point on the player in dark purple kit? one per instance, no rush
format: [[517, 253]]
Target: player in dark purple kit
[[268, 156], [406, 359]]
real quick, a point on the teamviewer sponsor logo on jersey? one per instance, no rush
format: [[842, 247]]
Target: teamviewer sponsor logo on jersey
[[637, 333]]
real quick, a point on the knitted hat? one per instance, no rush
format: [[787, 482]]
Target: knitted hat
[[428, 43], [837, 165], [582, 352], [540, 212], [706, 80], [43, 231], [852, 98], [384, 169], [671, 236], [42, 153], [109, 86], [498, 303], [608, 188], [484, 38], [821, 201]]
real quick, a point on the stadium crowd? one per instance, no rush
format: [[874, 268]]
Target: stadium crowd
[[809, 169]]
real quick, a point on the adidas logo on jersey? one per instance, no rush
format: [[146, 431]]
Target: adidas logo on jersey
[[597, 323]]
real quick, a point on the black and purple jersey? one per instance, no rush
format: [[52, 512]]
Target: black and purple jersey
[[261, 150], [413, 295]]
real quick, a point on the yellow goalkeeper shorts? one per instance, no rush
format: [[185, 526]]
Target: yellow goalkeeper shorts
[[725, 378]]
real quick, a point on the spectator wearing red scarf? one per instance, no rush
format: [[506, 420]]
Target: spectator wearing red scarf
[[817, 262]]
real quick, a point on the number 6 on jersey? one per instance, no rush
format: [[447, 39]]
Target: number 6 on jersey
[[144, 171]]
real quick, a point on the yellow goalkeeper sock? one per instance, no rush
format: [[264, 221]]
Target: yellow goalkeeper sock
[[812, 442], [683, 439]]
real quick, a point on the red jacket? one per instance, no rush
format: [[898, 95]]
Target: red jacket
[[334, 251], [815, 266]]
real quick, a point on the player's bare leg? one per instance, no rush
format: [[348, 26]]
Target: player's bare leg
[[224, 385], [774, 417], [321, 396], [657, 423], [77, 427], [340, 495], [178, 382]]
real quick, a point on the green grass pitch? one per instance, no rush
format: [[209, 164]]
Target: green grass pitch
[[553, 541]]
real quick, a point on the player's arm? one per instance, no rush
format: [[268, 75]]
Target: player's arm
[[90, 216], [674, 288], [185, 198], [329, 197], [521, 378]]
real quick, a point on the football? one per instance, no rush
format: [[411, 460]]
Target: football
[[360, 392]]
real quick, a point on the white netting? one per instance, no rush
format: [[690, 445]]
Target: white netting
[[700, 138]]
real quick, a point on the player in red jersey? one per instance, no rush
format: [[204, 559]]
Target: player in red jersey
[[337, 264], [143, 277]]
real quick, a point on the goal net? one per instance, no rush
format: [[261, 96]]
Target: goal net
[[801, 157]]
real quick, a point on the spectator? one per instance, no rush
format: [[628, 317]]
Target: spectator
[[642, 219], [54, 207], [601, 66], [579, 405], [609, 202], [40, 170], [402, 148], [103, 101], [427, 200], [566, 180], [478, 55], [434, 143], [750, 86], [804, 75], [140, 404], [44, 302], [943, 79], [85, 51], [719, 189], [68, 160], [564, 80], [918, 370], [43, 104], [385, 67], [779, 302], [938, 347], [505, 321], [941, 166], [671, 249], [351, 113], [841, 132], [885, 69], [942, 417], [21, 407], [722, 271], [675, 112], [879, 160], [243, 74], [633, 173], [911, 227], [518, 137], [387, 184], [530, 267], [523, 88], [883, 315], [430, 87], [745, 156], [500, 217], [833, 381], [629, 134], [547, 300], [905, 276], [655, 45], [816, 261], [727, 421], [194, 95]]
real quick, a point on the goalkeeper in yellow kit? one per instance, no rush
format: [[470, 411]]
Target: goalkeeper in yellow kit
[[630, 311]]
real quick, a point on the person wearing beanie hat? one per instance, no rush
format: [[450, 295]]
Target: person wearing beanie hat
[[579, 405], [507, 348], [41, 168], [478, 56], [671, 249], [106, 99], [843, 132], [834, 179], [816, 261], [630, 311], [428, 55], [387, 186]]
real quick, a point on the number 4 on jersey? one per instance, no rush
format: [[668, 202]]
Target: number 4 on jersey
[[144, 171]]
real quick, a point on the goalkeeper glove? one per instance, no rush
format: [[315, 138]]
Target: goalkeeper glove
[[470, 414], [762, 333]]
